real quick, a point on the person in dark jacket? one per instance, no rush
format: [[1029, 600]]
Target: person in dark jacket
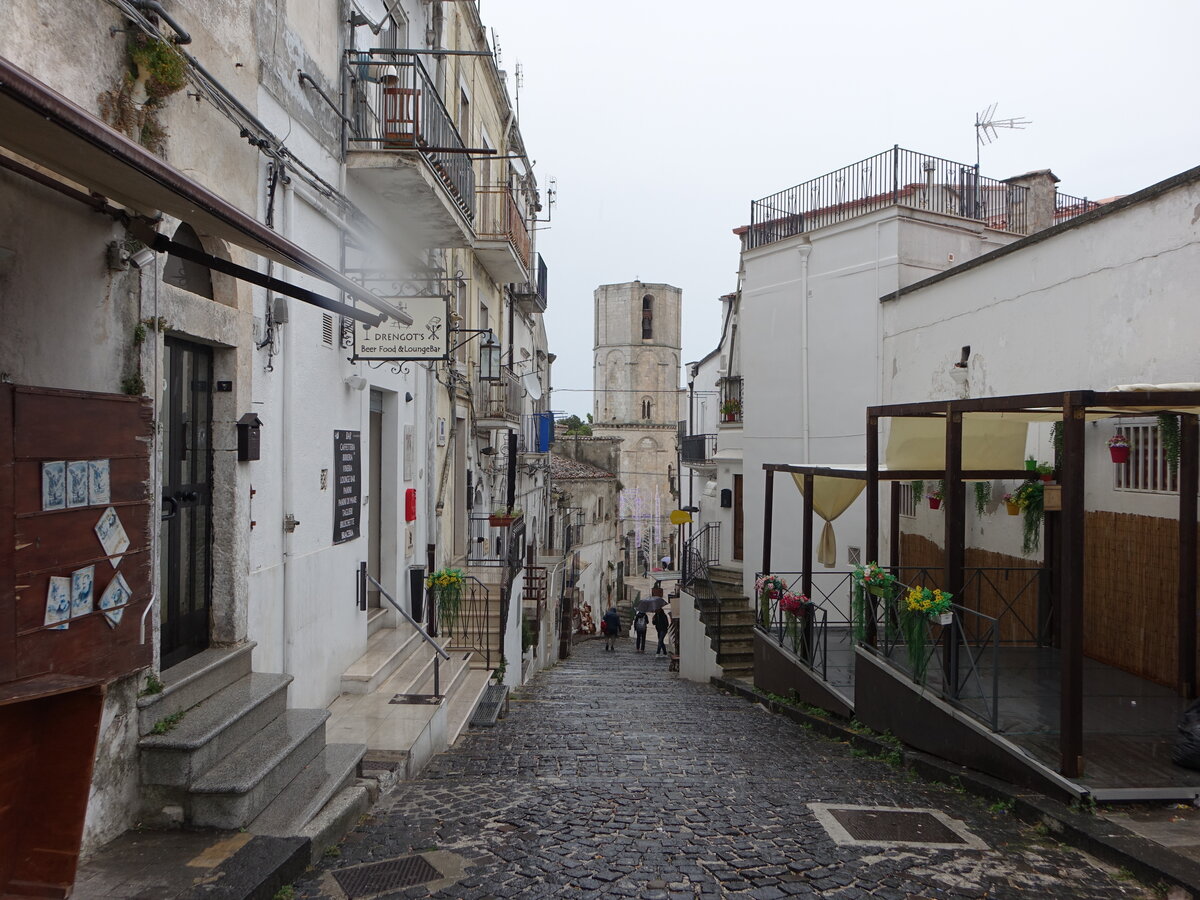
[[661, 624], [640, 622], [612, 628]]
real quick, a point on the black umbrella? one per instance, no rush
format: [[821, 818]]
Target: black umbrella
[[651, 604]]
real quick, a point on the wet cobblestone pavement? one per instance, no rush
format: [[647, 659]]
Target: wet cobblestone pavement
[[611, 777]]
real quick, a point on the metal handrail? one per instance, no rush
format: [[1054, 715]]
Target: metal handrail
[[437, 676]]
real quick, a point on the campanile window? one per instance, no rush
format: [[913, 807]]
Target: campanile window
[[647, 317]]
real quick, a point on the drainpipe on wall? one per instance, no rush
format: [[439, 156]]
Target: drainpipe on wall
[[287, 519], [804, 250]]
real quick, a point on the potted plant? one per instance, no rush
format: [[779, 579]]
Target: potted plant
[[935, 498], [730, 409], [1118, 448], [768, 588], [875, 580], [1045, 471], [447, 586], [921, 606], [797, 608], [1031, 464], [503, 516], [1011, 504]]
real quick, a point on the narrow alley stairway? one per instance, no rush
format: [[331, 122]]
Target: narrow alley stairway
[[611, 777]]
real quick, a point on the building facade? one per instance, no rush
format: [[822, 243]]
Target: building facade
[[210, 212], [637, 399]]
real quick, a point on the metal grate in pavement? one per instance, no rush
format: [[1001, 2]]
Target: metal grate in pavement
[[416, 699], [373, 878], [885, 826], [490, 706]]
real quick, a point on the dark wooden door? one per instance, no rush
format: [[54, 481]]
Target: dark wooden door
[[738, 518], [185, 541]]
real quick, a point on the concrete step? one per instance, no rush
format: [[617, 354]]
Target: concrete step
[[237, 789], [213, 729], [326, 774], [461, 705], [387, 648], [492, 706], [193, 680]]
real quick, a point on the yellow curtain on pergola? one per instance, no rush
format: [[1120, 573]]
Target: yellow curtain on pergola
[[831, 498]]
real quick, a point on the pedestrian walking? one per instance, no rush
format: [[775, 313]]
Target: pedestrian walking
[[612, 628], [661, 624], [640, 623]]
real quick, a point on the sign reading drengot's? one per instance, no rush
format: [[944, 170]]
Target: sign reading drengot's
[[426, 338]]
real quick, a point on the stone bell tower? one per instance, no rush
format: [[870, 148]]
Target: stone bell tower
[[637, 399]]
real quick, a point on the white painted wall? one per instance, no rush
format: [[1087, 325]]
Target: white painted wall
[[1103, 303]]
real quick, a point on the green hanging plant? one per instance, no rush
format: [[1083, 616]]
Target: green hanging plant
[[918, 492], [983, 496], [1168, 432], [1056, 438], [1029, 498]]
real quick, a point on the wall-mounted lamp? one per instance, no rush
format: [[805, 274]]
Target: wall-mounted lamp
[[407, 397], [489, 359]]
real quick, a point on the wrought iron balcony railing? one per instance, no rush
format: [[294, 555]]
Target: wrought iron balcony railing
[[501, 399], [394, 105], [698, 448], [1068, 207], [731, 398], [500, 219], [534, 290], [894, 177]]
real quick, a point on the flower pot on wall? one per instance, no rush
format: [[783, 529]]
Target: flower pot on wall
[[935, 502], [1119, 454], [1013, 509]]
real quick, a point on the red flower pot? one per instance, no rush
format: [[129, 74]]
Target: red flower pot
[[1047, 476], [1119, 454], [935, 502]]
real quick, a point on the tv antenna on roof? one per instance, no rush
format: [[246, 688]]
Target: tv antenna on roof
[[986, 124]]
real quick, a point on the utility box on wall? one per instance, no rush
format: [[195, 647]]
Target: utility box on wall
[[726, 498], [410, 505], [249, 438]]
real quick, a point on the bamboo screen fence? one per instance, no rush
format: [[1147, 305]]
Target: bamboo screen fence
[[1130, 583]]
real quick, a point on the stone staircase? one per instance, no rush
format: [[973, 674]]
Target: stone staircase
[[220, 749], [726, 610], [388, 699]]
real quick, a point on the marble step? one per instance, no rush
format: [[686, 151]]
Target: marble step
[[213, 729], [302, 799], [193, 680], [237, 789], [386, 650]]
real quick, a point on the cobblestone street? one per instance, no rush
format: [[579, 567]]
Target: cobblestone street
[[611, 777]]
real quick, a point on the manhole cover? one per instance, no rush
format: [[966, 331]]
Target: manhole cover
[[888, 826], [373, 878]]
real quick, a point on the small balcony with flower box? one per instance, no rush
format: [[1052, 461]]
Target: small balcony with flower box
[[404, 155]]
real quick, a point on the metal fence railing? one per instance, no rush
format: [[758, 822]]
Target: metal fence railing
[[499, 219], [1068, 207], [894, 177], [698, 448], [470, 627], [395, 105]]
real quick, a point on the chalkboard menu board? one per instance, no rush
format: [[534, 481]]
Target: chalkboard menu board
[[347, 493]]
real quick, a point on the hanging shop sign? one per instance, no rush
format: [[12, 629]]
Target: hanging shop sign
[[426, 338], [347, 495]]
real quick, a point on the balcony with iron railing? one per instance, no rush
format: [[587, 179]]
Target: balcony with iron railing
[[896, 177], [502, 235], [698, 449], [531, 295], [500, 402], [403, 149], [1068, 207], [731, 399]]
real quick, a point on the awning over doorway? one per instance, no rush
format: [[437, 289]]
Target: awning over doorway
[[46, 128]]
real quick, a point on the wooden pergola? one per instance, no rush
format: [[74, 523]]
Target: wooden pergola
[[1073, 409]]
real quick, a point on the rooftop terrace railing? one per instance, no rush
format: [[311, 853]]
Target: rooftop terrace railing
[[894, 177]]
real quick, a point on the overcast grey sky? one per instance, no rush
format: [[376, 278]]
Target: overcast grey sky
[[663, 119]]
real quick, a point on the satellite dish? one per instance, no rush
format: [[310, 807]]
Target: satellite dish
[[531, 384]]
